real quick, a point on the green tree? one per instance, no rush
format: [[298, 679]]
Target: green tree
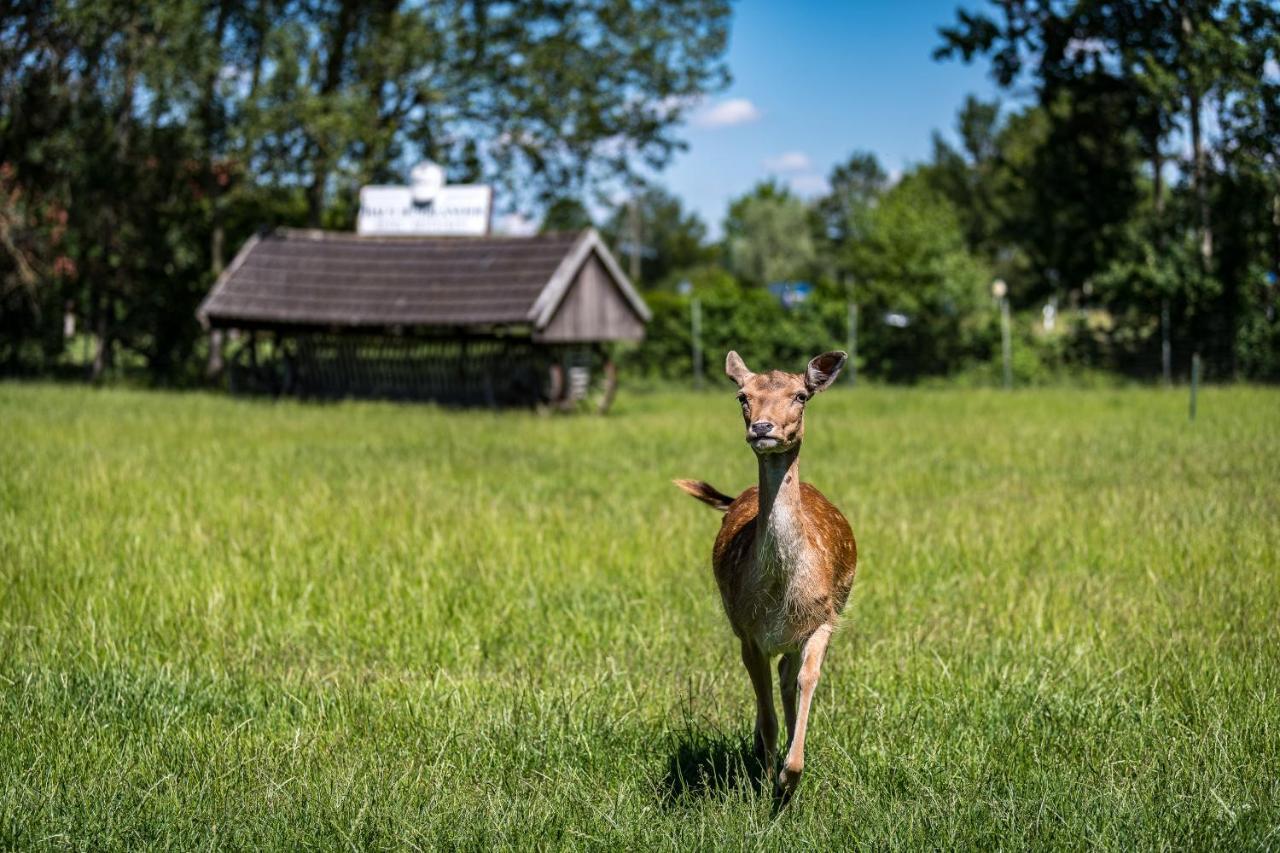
[[139, 140], [93, 99], [672, 239], [545, 98], [913, 264], [1118, 80], [854, 187], [968, 176], [841, 215], [565, 214], [767, 236]]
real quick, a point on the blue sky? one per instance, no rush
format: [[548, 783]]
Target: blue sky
[[813, 82]]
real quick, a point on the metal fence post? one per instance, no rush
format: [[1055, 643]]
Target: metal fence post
[[1008, 344], [853, 343], [695, 321], [1166, 346], [1195, 385]]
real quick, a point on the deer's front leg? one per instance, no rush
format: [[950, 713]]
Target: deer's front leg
[[811, 655], [788, 673], [766, 719]]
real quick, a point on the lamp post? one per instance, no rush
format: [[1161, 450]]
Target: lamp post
[[685, 288], [1001, 292]]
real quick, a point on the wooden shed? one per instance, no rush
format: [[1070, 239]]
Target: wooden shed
[[480, 320]]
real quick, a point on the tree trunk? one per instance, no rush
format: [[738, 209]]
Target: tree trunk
[[634, 209], [1157, 179], [262, 25], [1157, 191], [1198, 179], [1275, 255], [338, 38], [1198, 168], [107, 329], [388, 118], [315, 193], [217, 242], [103, 358], [214, 146]]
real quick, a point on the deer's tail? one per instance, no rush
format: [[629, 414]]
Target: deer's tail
[[706, 493]]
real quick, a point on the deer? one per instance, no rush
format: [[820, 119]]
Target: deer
[[784, 558]]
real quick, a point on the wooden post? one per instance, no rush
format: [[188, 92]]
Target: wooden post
[[1006, 343], [853, 343], [1195, 384], [289, 358], [610, 385], [1166, 347], [695, 319], [635, 239], [215, 365]]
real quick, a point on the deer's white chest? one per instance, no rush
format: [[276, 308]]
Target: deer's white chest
[[780, 582]]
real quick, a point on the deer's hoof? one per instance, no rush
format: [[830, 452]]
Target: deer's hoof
[[788, 780]]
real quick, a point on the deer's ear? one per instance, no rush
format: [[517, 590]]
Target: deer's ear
[[736, 368], [823, 370]]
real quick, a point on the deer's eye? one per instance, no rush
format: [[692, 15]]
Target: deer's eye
[[742, 399], [802, 397]]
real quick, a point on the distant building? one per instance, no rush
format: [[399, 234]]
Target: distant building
[[471, 320], [791, 293]]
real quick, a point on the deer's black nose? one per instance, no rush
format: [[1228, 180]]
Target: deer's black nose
[[761, 428]]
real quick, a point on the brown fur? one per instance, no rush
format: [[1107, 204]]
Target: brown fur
[[785, 557], [735, 543]]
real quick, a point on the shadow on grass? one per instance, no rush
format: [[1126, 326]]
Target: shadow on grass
[[704, 768]]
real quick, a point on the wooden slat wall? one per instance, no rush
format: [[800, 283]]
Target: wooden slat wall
[[593, 310]]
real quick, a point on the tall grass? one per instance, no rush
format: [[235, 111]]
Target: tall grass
[[229, 623]]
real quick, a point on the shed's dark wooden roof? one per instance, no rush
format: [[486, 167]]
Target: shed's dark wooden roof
[[317, 278]]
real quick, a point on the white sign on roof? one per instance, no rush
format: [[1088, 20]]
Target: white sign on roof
[[425, 182], [461, 210]]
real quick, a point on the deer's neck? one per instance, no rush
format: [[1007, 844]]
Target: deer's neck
[[781, 517]]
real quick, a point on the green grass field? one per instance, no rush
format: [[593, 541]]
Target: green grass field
[[240, 624]]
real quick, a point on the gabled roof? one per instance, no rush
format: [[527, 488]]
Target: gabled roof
[[333, 279]]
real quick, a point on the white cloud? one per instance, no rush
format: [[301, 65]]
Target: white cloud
[[789, 161], [809, 184], [727, 113], [1271, 70], [515, 225]]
